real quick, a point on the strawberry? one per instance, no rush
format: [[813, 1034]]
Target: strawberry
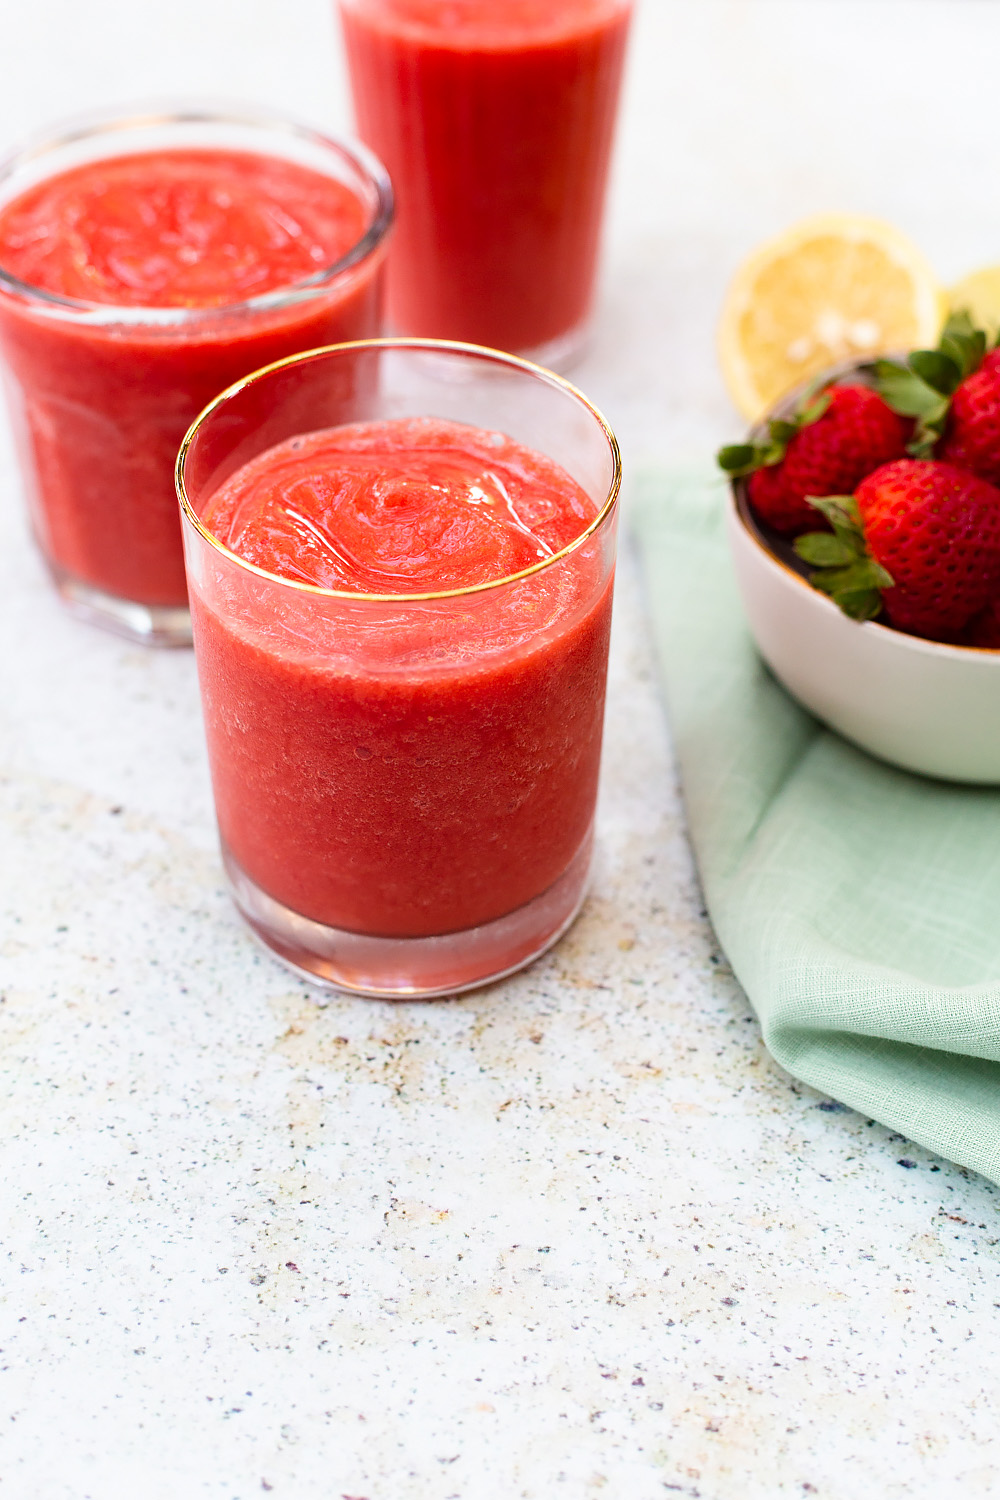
[[954, 393], [832, 442], [921, 538], [983, 630], [972, 434]]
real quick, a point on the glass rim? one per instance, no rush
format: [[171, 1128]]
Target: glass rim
[[107, 121], [495, 356], [497, 35]]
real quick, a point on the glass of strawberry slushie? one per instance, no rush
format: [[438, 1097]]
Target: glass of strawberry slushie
[[146, 263], [495, 119], [400, 558]]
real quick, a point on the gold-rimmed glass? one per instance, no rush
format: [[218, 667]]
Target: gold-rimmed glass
[[405, 784], [100, 394]]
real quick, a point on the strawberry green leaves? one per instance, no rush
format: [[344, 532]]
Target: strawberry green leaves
[[924, 386], [845, 570], [963, 343], [910, 396], [740, 459]]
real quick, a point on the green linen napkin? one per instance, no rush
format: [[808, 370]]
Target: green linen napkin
[[858, 905]]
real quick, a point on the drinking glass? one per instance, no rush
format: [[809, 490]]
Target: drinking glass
[[101, 395], [495, 119], [404, 783]]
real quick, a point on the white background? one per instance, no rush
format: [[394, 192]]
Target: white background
[[576, 1235]]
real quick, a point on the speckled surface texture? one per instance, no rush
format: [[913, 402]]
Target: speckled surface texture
[[572, 1235]]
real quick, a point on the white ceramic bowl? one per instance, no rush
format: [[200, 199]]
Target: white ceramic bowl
[[923, 706]]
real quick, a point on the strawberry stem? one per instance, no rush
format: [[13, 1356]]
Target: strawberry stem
[[740, 459], [845, 569], [924, 386]]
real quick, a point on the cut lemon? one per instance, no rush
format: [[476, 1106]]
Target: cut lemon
[[979, 295], [832, 287]]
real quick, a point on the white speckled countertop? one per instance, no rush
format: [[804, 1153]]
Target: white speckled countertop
[[574, 1235]]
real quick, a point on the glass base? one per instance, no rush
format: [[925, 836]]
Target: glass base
[[146, 624], [413, 968], [562, 353], [559, 354]]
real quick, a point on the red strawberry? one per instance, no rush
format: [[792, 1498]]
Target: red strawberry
[[953, 392], [834, 440], [984, 629], [920, 539], [972, 434], [936, 530]]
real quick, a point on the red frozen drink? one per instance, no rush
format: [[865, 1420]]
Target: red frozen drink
[[403, 682], [135, 285], [495, 121]]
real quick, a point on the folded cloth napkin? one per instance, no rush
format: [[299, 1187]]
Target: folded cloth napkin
[[858, 905]]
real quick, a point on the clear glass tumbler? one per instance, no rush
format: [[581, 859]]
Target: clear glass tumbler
[[102, 394], [495, 119], [405, 784]]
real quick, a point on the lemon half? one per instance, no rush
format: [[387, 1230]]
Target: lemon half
[[979, 295], [831, 287]]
